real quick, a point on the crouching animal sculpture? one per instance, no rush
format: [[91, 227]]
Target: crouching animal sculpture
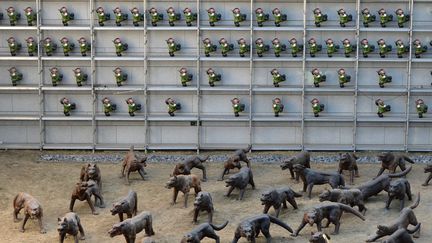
[[397, 190], [351, 197], [131, 227], [202, 231], [402, 235], [277, 198]]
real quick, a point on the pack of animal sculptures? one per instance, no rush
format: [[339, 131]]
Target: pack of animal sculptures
[[351, 197], [390, 161], [397, 190], [185, 167], [319, 237], [277, 197], [91, 171], [234, 161], [203, 202], [428, 169], [183, 183], [348, 161], [129, 228], [240, 180], [32, 210], [127, 205], [133, 163], [70, 224], [202, 231], [302, 158], [402, 235], [83, 191]]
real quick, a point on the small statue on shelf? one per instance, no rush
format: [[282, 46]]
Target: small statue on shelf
[[1, 16], [384, 17], [316, 107], [401, 17], [318, 77], [319, 17], [213, 16], [49, 46], [67, 47], [243, 47], [136, 16], [120, 77], [189, 16], [343, 77], [295, 48], [14, 16], [80, 77], [344, 18], [213, 77], [14, 46], [108, 106], [401, 48], [155, 16], [120, 47], [260, 47], [209, 47], [383, 78], [173, 106], [185, 77], [67, 106], [119, 16], [419, 48], [84, 46], [421, 108], [31, 16], [366, 47], [367, 17], [32, 46], [56, 76], [348, 48], [277, 77], [331, 48], [102, 16], [314, 47], [383, 48], [132, 107], [237, 106], [278, 47], [15, 76], [382, 107], [261, 17], [172, 16], [172, 46], [277, 106], [225, 47], [279, 17], [66, 16], [238, 17]]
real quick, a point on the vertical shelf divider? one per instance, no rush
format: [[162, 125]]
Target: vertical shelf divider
[[93, 73], [198, 79], [145, 92], [409, 64], [304, 76], [40, 74], [356, 70], [251, 76]]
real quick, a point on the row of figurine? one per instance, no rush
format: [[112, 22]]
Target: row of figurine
[[213, 16], [238, 107]]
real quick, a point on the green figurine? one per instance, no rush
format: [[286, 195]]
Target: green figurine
[[401, 48], [108, 107], [278, 47], [343, 78], [49, 46], [384, 17], [56, 76], [119, 46], [237, 106], [319, 17], [261, 47], [331, 48], [295, 48], [189, 16], [421, 108], [172, 16], [238, 17], [84, 46], [277, 106], [67, 106], [209, 47], [316, 107], [366, 47], [185, 77], [318, 77], [225, 47], [418, 48], [132, 107], [173, 106], [261, 17], [401, 17], [66, 16], [243, 47], [119, 16], [367, 17], [155, 16], [314, 47], [213, 16], [80, 77], [136, 16], [348, 48], [31, 16], [102, 16], [382, 107], [14, 46], [120, 77], [13, 16], [279, 17], [32, 46], [15, 76], [67, 47], [1, 16], [383, 78], [277, 77], [172, 46], [213, 77], [383, 48], [344, 18]]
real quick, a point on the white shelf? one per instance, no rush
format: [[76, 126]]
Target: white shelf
[[386, 89], [67, 88], [172, 88], [283, 117], [119, 88], [329, 147], [65, 58], [232, 57], [61, 27], [125, 57], [18, 58], [18, 117], [119, 117], [270, 57], [20, 88], [225, 28], [278, 29], [17, 27], [166, 57], [72, 117], [226, 88], [119, 28], [331, 28], [329, 59], [326, 117], [330, 89], [282, 89], [244, 117], [178, 117], [71, 146], [173, 28], [386, 29], [167, 146], [387, 118]]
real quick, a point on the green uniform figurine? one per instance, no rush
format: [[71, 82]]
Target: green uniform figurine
[[108, 107], [381, 107], [279, 17], [31, 16], [13, 16], [316, 107], [189, 16], [49, 46], [213, 77], [343, 77], [344, 18], [120, 77], [383, 78], [261, 17], [84, 46], [314, 47], [367, 17], [209, 47], [261, 47], [278, 47], [136, 16], [418, 48], [172, 46], [56, 76], [319, 17], [238, 17], [401, 17], [243, 47], [237, 106], [66, 16], [384, 17], [14, 46], [15, 76], [318, 77], [366, 47], [132, 107], [102, 16], [225, 47], [295, 47], [421, 108], [155, 16], [119, 16], [213, 16], [119, 46], [173, 106], [172, 16], [80, 77], [331, 48], [277, 77], [383, 48], [348, 48], [67, 47], [277, 106], [67, 106], [185, 77], [401, 49], [32, 46]]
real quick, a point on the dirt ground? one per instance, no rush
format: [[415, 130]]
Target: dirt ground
[[52, 184]]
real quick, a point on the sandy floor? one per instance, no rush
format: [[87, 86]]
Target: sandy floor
[[52, 184]]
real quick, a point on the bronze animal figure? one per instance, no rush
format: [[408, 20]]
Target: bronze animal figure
[[277, 197], [203, 202], [185, 167], [84, 191], [202, 231], [402, 235], [234, 161], [428, 169], [348, 162], [351, 197], [391, 161], [240, 181], [129, 228], [127, 205], [70, 224], [32, 210], [132, 163], [302, 158], [183, 183], [319, 237]]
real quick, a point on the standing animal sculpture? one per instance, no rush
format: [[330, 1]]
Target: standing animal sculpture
[[70, 224], [203, 202], [319, 237], [348, 162], [397, 190], [428, 169], [131, 227], [234, 161], [351, 197], [84, 191], [302, 158], [32, 209], [185, 167], [132, 163], [91, 171], [402, 235], [202, 231], [391, 161], [127, 205], [240, 181], [277, 197], [183, 183]]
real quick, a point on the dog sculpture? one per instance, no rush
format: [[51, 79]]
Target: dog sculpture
[[32, 209], [302, 158]]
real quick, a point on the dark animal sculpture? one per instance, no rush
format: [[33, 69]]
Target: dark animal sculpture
[[302, 158], [351, 197], [127, 205], [348, 161], [202, 231], [183, 183], [129, 228], [277, 197], [32, 210], [84, 191], [185, 167], [234, 161], [70, 224], [397, 190], [240, 181], [428, 169], [132, 163], [391, 161], [91, 171], [319, 237], [402, 235], [203, 202]]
